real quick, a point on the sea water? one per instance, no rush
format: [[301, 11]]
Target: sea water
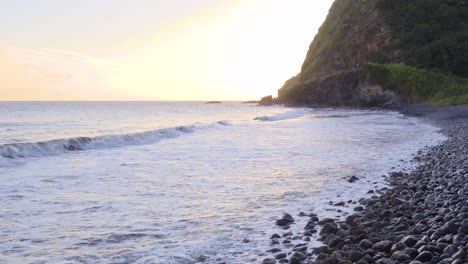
[[173, 182]]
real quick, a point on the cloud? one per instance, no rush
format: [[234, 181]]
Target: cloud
[[50, 74]]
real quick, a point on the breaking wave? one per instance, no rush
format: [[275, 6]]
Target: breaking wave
[[285, 116], [16, 151]]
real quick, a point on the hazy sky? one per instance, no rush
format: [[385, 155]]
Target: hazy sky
[[153, 50]]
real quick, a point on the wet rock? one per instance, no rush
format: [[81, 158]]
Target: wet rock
[[294, 260], [329, 228], [269, 261], [274, 241], [300, 248], [359, 208], [274, 250], [353, 179], [320, 250], [300, 256], [333, 241], [201, 258], [281, 255], [287, 219], [325, 221]]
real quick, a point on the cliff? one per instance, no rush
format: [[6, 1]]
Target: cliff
[[373, 52]]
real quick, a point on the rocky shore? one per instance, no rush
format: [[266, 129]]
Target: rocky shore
[[421, 218]]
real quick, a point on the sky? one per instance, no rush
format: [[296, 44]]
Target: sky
[[153, 49]]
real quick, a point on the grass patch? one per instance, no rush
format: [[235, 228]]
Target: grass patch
[[418, 85]]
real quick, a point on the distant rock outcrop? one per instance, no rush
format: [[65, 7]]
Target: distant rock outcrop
[[267, 100]]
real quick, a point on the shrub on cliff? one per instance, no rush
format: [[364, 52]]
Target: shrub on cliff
[[430, 33], [419, 85]]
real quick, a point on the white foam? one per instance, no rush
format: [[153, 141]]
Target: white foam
[[285, 116], [202, 194], [11, 152]]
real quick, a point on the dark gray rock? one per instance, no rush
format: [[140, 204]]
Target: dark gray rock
[[450, 250], [294, 260], [353, 179], [275, 236], [365, 244], [300, 256], [397, 247], [383, 246], [333, 241], [359, 208], [385, 261], [325, 221], [400, 256], [322, 249], [274, 250], [329, 228], [201, 258], [460, 254], [287, 219], [355, 255], [269, 261], [281, 255], [451, 227], [424, 256], [413, 253], [409, 241]]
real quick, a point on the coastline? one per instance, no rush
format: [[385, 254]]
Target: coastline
[[419, 218]]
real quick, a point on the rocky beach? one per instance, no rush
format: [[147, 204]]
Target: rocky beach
[[422, 217]]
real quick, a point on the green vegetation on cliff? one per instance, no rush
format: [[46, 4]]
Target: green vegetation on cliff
[[430, 33], [370, 52], [419, 85], [339, 45]]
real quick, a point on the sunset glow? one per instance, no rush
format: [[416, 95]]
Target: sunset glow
[[208, 50]]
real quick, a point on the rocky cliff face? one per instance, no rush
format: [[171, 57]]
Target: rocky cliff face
[[353, 35], [375, 52]]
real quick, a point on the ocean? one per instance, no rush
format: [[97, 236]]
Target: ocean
[[177, 182]]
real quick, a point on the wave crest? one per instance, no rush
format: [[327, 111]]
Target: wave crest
[[58, 146], [285, 116]]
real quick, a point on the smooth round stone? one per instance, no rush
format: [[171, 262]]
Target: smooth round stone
[[365, 244], [281, 255], [424, 256]]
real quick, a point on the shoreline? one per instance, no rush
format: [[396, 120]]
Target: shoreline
[[418, 219]]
